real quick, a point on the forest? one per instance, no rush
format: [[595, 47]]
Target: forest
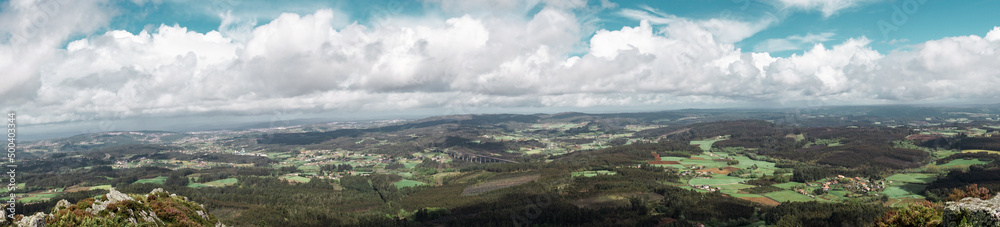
[[715, 168]]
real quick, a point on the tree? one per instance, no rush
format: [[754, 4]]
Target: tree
[[429, 163], [421, 216], [176, 180], [972, 190], [288, 169], [920, 214], [394, 165], [617, 142], [638, 206]]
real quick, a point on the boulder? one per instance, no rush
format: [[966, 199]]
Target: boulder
[[972, 212]]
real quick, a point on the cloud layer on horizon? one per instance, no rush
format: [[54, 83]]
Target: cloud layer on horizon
[[456, 60]]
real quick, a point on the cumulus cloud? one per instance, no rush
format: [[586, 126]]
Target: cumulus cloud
[[306, 62], [794, 42], [827, 7], [507, 6], [31, 32], [723, 30]]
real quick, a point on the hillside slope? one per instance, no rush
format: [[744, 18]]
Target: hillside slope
[[157, 208]]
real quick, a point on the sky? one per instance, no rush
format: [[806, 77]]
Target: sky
[[74, 66]]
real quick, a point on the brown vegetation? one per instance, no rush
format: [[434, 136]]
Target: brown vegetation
[[724, 170], [972, 190], [498, 184], [664, 163], [762, 200]]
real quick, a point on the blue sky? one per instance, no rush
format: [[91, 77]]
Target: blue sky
[[933, 19], [108, 64]]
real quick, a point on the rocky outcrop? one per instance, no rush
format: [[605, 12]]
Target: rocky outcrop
[[972, 212], [37, 220], [113, 197], [157, 208]]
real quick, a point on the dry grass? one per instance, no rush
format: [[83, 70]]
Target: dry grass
[[725, 170], [498, 184], [762, 200], [614, 200], [76, 188]]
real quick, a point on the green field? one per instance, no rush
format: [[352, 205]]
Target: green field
[[786, 195], [707, 162], [29, 198], [156, 180], [670, 166], [592, 173], [105, 187], [198, 185], [19, 185], [788, 185], [297, 178], [739, 195], [408, 183], [705, 145], [963, 162], [734, 186], [944, 153], [921, 178], [838, 193], [671, 158], [716, 180], [830, 197], [905, 191], [762, 166], [222, 183], [908, 185]]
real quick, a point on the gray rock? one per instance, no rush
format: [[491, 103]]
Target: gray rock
[[202, 214], [36, 220], [63, 204], [115, 196], [148, 217], [972, 212]]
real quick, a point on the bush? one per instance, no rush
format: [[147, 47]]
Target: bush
[[920, 214], [972, 190]]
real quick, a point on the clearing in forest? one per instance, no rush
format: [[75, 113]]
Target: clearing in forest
[[762, 200], [498, 184]]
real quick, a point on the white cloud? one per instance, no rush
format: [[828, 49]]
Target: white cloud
[[236, 28], [722, 30], [143, 2], [794, 42], [502, 7], [827, 7], [33, 30], [993, 35], [309, 63]]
